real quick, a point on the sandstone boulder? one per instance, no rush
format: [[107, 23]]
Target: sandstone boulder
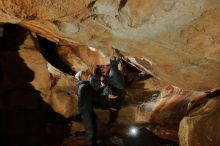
[[200, 126]]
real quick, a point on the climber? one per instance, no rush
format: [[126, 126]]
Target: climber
[[109, 89], [86, 95], [95, 78], [111, 95], [116, 83], [115, 78]]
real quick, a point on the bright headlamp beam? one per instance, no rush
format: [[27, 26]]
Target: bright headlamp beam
[[133, 131]]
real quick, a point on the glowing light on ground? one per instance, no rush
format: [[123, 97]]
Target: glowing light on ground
[[133, 131]]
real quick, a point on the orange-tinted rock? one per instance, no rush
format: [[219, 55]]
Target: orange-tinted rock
[[26, 70], [200, 126], [63, 97], [173, 104], [82, 57], [179, 38], [175, 41]]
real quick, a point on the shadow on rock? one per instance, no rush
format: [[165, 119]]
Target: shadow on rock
[[26, 120]]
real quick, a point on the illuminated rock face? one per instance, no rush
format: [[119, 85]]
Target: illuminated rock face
[[30, 74], [179, 38], [200, 126], [193, 115]]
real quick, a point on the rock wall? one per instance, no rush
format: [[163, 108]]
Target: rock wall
[[194, 115], [24, 69], [177, 41], [57, 89]]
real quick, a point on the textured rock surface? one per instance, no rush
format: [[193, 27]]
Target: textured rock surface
[[200, 126], [82, 57], [194, 114], [57, 90], [26, 69], [177, 39], [173, 104]]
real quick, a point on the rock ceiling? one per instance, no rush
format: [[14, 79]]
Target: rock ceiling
[[177, 41]]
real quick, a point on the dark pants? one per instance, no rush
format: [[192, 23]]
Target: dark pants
[[91, 124], [113, 116], [113, 105], [104, 103]]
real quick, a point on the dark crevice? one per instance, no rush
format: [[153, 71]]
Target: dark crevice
[[13, 37], [131, 68], [213, 94], [122, 4], [49, 51], [91, 4]]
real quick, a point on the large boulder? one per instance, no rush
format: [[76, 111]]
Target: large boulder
[[24, 71], [172, 104], [200, 126]]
